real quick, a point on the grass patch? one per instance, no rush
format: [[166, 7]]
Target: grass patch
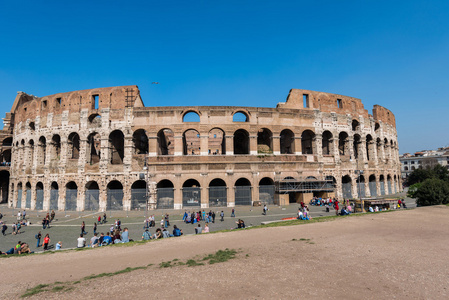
[[57, 288], [165, 264], [220, 256], [193, 263], [35, 290]]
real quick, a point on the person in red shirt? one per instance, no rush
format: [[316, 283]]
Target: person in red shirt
[[46, 241], [336, 207], [99, 219]]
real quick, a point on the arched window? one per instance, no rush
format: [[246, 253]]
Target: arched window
[[308, 142], [217, 142], [140, 140], [74, 146], [287, 140], [165, 140], [191, 193], [241, 142], [116, 146], [191, 142], [355, 125], [191, 116], [240, 117], [343, 143], [92, 196], [327, 145], [114, 195], [218, 193], [264, 141], [243, 192]]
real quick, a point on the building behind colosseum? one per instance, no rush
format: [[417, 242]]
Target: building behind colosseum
[[101, 149]]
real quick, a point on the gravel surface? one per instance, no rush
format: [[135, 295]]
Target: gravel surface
[[398, 255]]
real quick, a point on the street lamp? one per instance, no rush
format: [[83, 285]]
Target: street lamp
[[145, 168]]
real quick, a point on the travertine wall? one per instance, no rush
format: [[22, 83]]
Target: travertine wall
[[102, 141]]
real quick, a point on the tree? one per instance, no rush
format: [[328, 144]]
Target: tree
[[413, 189], [432, 191], [418, 175]]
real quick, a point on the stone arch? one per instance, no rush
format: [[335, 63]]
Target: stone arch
[[382, 184], [191, 142], [372, 185], [138, 195], [28, 195], [389, 185], [217, 142], [243, 192], [264, 141], [55, 147], [405, 168], [94, 120], [117, 147], [140, 142], [165, 140], [165, 194], [191, 193], [346, 186], [93, 148], [360, 181], [71, 195], [32, 126], [287, 141], [7, 142], [114, 195], [54, 195], [19, 195], [343, 143], [376, 127], [73, 145], [39, 196], [191, 116], [41, 151], [327, 143], [241, 142], [92, 196], [266, 190], [5, 157], [355, 125], [357, 146], [369, 145], [30, 158], [308, 141], [240, 116], [4, 186], [218, 193]]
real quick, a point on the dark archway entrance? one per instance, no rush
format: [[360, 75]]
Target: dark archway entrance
[[4, 186], [217, 193]]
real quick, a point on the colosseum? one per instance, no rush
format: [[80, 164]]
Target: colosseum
[[102, 149]]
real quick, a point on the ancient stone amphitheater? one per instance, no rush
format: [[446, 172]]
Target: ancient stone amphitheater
[[101, 149]]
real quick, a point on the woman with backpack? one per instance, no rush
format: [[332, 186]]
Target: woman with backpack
[[38, 238]]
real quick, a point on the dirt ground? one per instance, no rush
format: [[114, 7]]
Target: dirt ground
[[400, 255]]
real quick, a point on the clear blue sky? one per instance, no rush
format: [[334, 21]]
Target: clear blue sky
[[244, 53]]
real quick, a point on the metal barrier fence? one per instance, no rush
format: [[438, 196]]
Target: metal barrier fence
[[114, 200], [70, 199], [389, 188], [347, 190], [218, 196], [165, 198], [372, 189], [19, 198], [382, 188], [395, 188], [266, 194], [92, 200], [243, 195], [54, 195], [191, 196], [138, 199], [39, 199], [361, 189], [28, 199]]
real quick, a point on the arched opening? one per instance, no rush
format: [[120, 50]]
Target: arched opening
[[243, 192], [28, 195], [191, 116], [30, 159], [240, 117], [93, 148], [395, 183], [308, 142], [327, 143], [241, 142], [92, 196], [331, 182], [405, 168], [218, 193], [191, 142], [73, 146], [382, 185], [266, 191], [191, 193], [32, 126], [19, 195], [361, 186], [138, 195], [379, 148], [95, 120], [41, 151], [264, 141], [165, 140], [165, 194], [355, 125], [343, 143], [116, 146], [413, 168], [287, 141], [39, 196], [386, 145], [357, 146], [4, 186], [140, 140], [376, 127], [346, 186], [369, 147], [71, 195], [217, 142], [54, 195], [7, 142], [5, 158], [55, 150], [114, 196], [372, 185], [389, 185]]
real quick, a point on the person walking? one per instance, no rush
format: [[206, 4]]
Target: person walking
[[38, 238], [232, 213], [95, 228], [222, 216], [213, 217], [265, 208], [4, 227], [83, 227], [52, 216], [46, 241]]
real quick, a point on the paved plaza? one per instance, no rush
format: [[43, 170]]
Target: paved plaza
[[67, 225]]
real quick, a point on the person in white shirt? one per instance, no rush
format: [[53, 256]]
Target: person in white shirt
[[81, 242]]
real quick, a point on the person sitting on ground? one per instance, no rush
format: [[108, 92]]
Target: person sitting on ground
[[106, 240], [158, 234], [146, 235], [100, 240], [125, 235], [198, 229], [17, 248], [165, 233], [371, 209], [94, 241], [81, 242], [376, 208], [58, 245], [300, 215], [25, 249], [206, 228], [344, 212], [349, 209], [116, 238], [176, 231]]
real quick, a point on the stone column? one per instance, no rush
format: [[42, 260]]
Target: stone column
[[63, 160], [152, 145], [335, 152], [105, 153], [253, 144], [177, 194], [229, 144], [178, 144], [127, 152], [338, 187], [367, 190], [47, 187], [82, 159], [298, 145], [317, 144], [276, 142], [354, 186], [204, 144], [362, 150], [351, 147], [81, 197]]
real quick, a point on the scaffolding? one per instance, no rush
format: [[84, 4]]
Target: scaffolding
[[303, 185]]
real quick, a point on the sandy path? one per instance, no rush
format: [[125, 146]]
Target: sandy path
[[401, 254]]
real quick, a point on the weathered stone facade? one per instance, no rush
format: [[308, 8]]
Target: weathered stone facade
[[96, 149]]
